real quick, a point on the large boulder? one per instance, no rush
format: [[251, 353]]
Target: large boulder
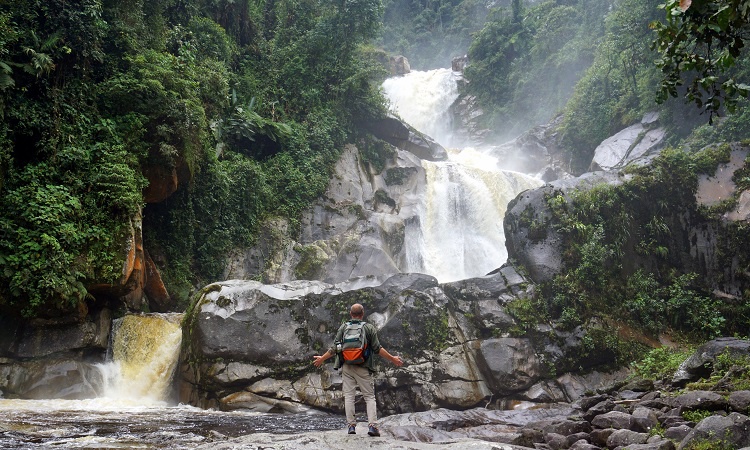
[[637, 143], [399, 134], [250, 345], [530, 241], [53, 360], [700, 364]]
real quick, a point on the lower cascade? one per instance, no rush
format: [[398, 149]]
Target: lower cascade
[[460, 232]]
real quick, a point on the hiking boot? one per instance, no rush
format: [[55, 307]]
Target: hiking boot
[[352, 429], [373, 431]]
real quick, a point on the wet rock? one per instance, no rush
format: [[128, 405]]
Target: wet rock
[[700, 400], [339, 440], [700, 363], [733, 429], [624, 437], [613, 419], [399, 134]]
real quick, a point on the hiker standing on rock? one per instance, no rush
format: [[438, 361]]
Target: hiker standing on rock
[[355, 343]]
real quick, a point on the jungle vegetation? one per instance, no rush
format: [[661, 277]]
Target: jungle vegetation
[[248, 104]]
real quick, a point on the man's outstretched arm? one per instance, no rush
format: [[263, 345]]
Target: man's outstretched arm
[[318, 360], [396, 360]]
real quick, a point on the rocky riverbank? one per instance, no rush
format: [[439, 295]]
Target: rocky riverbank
[[640, 415]]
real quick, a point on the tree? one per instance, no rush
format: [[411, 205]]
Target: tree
[[700, 41]]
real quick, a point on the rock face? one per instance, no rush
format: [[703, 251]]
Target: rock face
[[250, 345], [355, 230], [697, 242], [40, 361], [700, 363], [399, 65], [638, 143], [537, 151], [531, 243], [399, 134]]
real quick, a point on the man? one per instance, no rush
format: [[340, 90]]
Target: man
[[359, 375]]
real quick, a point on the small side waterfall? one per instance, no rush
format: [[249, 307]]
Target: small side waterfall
[[459, 233], [144, 353]]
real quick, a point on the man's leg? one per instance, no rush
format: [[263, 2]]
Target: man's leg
[[349, 386], [367, 388]]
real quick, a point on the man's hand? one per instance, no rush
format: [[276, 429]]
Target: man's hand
[[318, 360], [397, 361]]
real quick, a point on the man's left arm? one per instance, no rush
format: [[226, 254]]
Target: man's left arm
[[379, 350]]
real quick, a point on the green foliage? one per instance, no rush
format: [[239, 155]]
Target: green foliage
[[696, 415], [247, 103], [63, 222], [702, 39], [661, 363], [709, 444], [524, 62], [431, 33], [620, 252], [617, 88]]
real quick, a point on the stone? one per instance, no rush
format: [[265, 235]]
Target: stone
[[733, 429], [583, 445], [613, 419], [512, 362], [659, 444], [703, 400], [644, 419], [739, 401], [599, 437], [626, 437], [700, 363], [677, 433]]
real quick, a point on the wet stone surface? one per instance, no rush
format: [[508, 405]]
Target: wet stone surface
[[81, 424]]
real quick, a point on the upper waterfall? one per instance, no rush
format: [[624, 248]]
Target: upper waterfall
[[459, 233], [423, 100]]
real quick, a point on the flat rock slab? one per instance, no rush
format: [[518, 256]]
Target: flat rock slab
[[339, 440]]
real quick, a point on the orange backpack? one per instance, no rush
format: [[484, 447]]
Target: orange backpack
[[354, 343]]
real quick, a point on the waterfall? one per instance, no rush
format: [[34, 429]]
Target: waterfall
[[144, 353], [423, 100], [459, 232]]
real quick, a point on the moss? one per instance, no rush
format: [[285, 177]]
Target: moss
[[397, 176], [312, 260], [375, 153], [382, 198], [433, 329]]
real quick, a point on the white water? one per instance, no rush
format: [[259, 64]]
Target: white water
[[460, 232], [145, 351], [134, 409]]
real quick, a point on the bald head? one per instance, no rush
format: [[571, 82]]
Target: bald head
[[357, 311]]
